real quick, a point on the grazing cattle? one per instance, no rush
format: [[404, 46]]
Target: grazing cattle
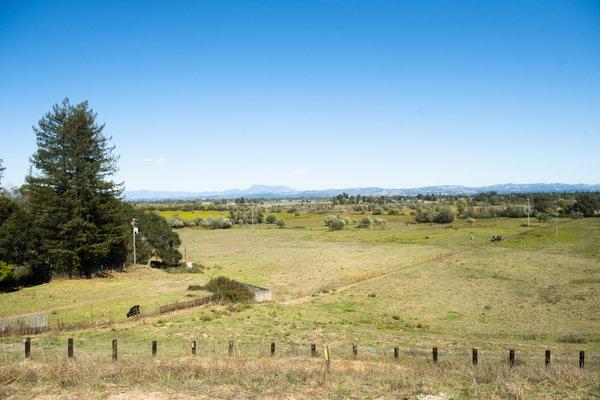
[[426, 237], [496, 239], [133, 311]]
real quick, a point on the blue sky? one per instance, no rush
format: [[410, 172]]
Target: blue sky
[[210, 95]]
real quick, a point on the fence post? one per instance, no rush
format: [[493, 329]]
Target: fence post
[[193, 347], [327, 358], [354, 351], [434, 354], [272, 349], [511, 357], [114, 350], [230, 348], [70, 347], [154, 348], [27, 347], [547, 358], [475, 358], [396, 352], [313, 350], [581, 359]]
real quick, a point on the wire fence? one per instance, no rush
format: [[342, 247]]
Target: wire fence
[[46, 349]]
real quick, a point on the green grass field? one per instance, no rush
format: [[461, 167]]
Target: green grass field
[[413, 286]]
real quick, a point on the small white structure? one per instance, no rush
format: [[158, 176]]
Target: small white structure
[[261, 294]]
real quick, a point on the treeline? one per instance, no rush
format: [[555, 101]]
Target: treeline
[[68, 218]]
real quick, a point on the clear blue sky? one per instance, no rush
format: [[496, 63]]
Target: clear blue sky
[[206, 95]]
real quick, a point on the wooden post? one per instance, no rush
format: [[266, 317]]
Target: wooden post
[[475, 358], [396, 352], [154, 348], [70, 347], [27, 347], [272, 349], [327, 358], [511, 357], [434, 354], [547, 358], [193, 347], [581, 359], [313, 350], [354, 351], [230, 348], [114, 350]]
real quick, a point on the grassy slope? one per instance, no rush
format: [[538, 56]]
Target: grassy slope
[[377, 288]]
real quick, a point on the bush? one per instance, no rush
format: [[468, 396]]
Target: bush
[[337, 225], [438, 214], [366, 222], [330, 219], [470, 220], [280, 223], [542, 217], [176, 222], [393, 211], [271, 219], [225, 289], [217, 223], [376, 210], [7, 278], [379, 221]]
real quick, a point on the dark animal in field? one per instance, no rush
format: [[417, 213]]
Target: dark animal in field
[[496, 239], [426, 237], [133, 311]]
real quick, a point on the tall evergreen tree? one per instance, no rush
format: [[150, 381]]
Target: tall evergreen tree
[[75, 204]]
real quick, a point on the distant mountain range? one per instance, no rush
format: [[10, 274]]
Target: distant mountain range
[[282, 192]]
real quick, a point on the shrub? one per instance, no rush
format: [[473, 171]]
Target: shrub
[[366, 222], [280, 223], [330, 219], [225, 289], [438, 214], [542, 217], [176, 222], [379, 221], [337, 225], [376, 210], [195, 287], [393, 211], [470, 220], [7, 278], [217, 223], [271, 219]]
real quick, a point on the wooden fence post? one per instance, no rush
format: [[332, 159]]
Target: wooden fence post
[[396, 352], [114, 350], [154, 348], [313, 350], [475, 357], [272, 349], [27, 347], [511, 357], [70, 347], [434, 354], [327, 358], [230, 348], [581, 359], [354, 351], [193, 347], [547, 358]]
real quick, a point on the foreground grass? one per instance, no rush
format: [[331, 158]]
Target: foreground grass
[[298, 378]]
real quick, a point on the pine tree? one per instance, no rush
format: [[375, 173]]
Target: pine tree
[[76, 206]]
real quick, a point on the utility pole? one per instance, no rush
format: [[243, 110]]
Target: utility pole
[[528, 212], [556, 224], [134, 232]]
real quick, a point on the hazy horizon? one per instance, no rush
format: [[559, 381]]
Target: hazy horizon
[[210, 96]]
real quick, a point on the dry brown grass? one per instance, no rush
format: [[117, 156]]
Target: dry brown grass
[[297, 378]]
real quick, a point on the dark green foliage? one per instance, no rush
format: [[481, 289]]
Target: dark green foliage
[[1, 172], [21, 243], [434, 213], [155, 238], [280, 223], [587, 204], [225, 289], [366, 222], [248, 215], [217, 223], [75, 206], [271, 219], [7, 279]]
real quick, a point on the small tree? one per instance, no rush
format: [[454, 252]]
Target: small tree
[[280, 223], [366, 222]]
